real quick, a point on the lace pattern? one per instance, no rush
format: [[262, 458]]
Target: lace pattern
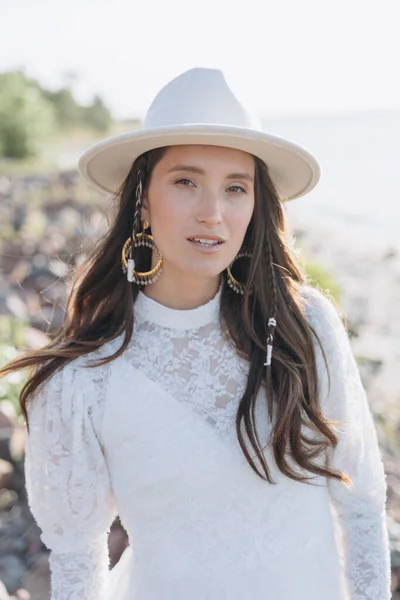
[[187, 354], [67, 482], [360, 509], [198, 366]]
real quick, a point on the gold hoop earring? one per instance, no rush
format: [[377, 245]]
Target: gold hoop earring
[[128, 263], [236, 285]]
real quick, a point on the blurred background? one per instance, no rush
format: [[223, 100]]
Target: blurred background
[[324, 75]]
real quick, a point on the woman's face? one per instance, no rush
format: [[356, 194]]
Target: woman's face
[[199, 192]]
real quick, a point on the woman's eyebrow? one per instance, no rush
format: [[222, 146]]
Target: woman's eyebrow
[[199, 171]]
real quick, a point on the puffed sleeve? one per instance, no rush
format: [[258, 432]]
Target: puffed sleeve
[[360, 510], [68, 487]]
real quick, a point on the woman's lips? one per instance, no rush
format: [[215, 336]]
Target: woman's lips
[[206, 249]]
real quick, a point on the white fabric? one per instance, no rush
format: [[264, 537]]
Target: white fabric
[[151, 437]]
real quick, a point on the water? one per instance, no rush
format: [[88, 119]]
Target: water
[[360, 159]]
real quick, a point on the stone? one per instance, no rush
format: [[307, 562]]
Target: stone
[[37, 580], [6, 473], [12, 570]]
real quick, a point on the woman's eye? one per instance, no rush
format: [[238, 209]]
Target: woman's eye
[[181, 180], [185, 183], [237, 187]]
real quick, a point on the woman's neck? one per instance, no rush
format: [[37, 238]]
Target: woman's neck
[[185, 295]]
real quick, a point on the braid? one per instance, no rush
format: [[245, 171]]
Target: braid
[[141, 174], [272, 281], [271, 325], [137, 211]]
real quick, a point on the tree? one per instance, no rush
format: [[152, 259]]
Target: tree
[[26, 117], [67, 110], [97, 115]]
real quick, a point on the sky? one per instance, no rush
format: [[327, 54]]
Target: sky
[[282, 58]]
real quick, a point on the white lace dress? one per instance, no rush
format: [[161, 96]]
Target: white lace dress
[[151, 437]]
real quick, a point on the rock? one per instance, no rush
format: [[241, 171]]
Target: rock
[[35, 338], [12, 570], [5, 186], [7, 419], [20, 271], [7, 414], [16, 306], [6, 473], [32, 535], [8, 499], [17, 443], [39, 278], [394, 540], [69, 220], [21, 594], [37, 579], [59, 268]]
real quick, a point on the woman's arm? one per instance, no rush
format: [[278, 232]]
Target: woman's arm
[[361, 510], [68, 488]]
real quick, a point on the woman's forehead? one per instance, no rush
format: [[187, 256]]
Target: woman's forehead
[[209, 154]]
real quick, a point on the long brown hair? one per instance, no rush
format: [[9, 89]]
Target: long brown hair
[[100, 308]]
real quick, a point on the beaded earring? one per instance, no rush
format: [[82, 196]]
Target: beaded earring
[[136, 240], [238, 287]]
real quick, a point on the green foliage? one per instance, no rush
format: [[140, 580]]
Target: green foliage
[[70, 113], [320, 277], [388, 423], [27, 118], [317, 275], [30, 115], [67, 110], [11, 337], [97, 115]]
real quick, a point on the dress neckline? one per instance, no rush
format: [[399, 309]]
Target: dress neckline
[[147, 309]]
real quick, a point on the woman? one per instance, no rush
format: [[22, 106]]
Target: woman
[[200, 388]]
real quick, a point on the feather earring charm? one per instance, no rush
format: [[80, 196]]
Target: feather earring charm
[[130, 269], [271, 323]]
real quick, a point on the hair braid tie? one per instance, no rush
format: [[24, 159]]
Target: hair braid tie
[[270, 339]]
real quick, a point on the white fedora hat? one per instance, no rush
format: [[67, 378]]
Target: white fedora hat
[[198, 107]]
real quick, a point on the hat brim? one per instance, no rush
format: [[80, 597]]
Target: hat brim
[[294, 171]]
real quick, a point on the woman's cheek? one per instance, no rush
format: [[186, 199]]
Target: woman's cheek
[[241, 218]]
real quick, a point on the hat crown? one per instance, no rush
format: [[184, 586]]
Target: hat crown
[[198, 96], [198, 107]]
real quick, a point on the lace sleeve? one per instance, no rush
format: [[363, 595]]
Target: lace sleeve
[[360, 510], [68, 487]]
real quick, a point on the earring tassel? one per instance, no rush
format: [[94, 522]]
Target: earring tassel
[[130, 269]]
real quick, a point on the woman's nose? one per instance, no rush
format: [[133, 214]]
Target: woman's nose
[[209, 210]]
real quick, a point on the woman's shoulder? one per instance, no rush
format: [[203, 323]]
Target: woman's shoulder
[[84, 368], [323, 312], [107, 349]]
